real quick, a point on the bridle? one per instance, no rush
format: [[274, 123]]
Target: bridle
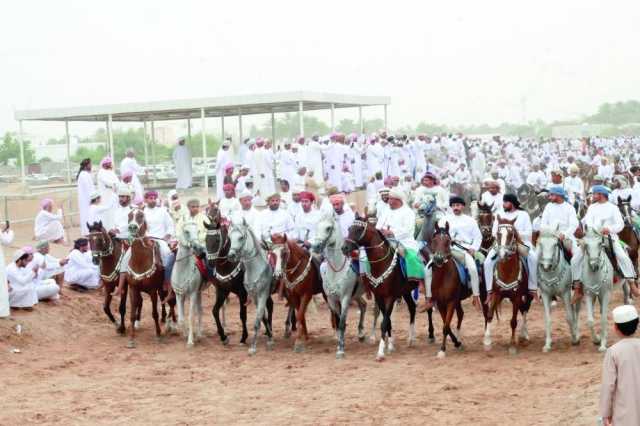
[[286, 252], [441, 257], [375, 281], [510, 247], [95, 236]]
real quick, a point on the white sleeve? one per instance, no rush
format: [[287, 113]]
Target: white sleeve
[[6, 238], [477, 237], [21, 277]]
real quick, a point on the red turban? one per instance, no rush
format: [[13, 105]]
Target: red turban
[[228, 187], [306, 195]]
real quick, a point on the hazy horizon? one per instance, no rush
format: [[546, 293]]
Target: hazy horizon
[[462, 63]]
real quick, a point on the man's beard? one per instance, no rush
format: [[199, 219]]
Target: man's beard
[[273, 208]]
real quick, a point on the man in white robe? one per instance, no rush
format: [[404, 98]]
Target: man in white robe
[[182, 161], [248, 212], [228, 204], [48, 226], [80, 272], [223, 158], [274, 220], [107, 186], [24, 291], [49, 266], [85, 189], [306, 221], [287, 163], [129, 165], [263, 176], [6, 238], [344, 216], [98, 210], [314, 159]]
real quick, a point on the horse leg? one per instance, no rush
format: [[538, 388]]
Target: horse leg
[[390, 305], [106, 306], [570, 315], [411, 305], [590, 320], [289, 320], [546, 304], [243, 316], [260, 301], [135, 296], [181, 324], [604, 326], [524, 330], [374, 324], [431, 338], [139, 311], [123, 308], [199, 308], [382, 309], [460, 315], [342, 324], [362, 306], [163, 317], [221, 296], [269, 314], [193, 303], [154, 312], [514, 325], [301, 306]]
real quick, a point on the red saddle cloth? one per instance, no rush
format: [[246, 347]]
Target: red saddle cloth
[[201, 267]]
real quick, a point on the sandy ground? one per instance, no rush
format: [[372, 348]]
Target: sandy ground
[[73, 368]]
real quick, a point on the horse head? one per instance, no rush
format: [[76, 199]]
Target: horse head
[[239, 234], [356, 236], [427, 205], [625, 209], [441, 243], [281, 251], [326, 235], [485, 220], [593, 246], [216, 237], [213, 214], [548, 246], [99, 242], [507, 238], [137, 224]]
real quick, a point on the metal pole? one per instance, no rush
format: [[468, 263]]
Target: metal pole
[[145, 143], [66, 130], [273, 129], [153, 153], [360, 120], [204, 154], [301, 118], [240, 125], [189, 131], [386, 125], [21, 142], [333, 117], [222, 127], [111, 151]]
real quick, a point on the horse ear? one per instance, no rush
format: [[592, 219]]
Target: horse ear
[[244, 222], [619, 199], [629, 198], [100, 224], [446, 227]]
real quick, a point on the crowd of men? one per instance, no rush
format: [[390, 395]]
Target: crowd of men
[[303, 179]]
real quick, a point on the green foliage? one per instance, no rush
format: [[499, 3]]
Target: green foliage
[[617, 113], [10, 148], [213, 144]]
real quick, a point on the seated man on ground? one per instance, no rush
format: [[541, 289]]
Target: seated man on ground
[[48, 225], [81, 274], [24, 292], [49, 267]]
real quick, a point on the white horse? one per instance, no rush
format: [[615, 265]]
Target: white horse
[[339, 281], [554, 279], [258, 276], [597, 280], [187, 281]]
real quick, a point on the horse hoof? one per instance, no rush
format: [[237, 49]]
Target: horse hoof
[[339, 355], [460, 348], [379, 358], [431, 340], [513, 350], [190, 345], [136, 325], [298, 348], [116, 323], [602, 349], [121, 331], [486, 346], [575, 342], [546, 348], [252, 351], [270, 345], [287, 334], [225, 341], [596, 342], [131, 344], [362, 338], [441, 355]]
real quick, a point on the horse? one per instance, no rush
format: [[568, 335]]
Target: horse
[[339, 280], [106, 252], [429, 214], [446, 288], [258, 277], [554, 280], [485, 222], [629, 236], [226, 276], [385, 280], [187, 281], [597, 281], [509, 282], [300, 275], [145, 273]]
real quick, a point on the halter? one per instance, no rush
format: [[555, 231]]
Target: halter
[[291, 284], [92, 236], [214, 233], [511, 247], [375, 281], [248, 257], [323, 245], [445, 256], [149, 272]]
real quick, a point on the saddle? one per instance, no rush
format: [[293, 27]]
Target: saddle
[[202, 267], [566, 253], [608, 249]]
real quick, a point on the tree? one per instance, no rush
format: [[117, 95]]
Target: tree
[[10, 148]]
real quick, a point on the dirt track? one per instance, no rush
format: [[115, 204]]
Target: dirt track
[[74, 369]]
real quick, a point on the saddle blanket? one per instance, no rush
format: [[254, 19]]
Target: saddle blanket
[[202, 267], [411, 265]]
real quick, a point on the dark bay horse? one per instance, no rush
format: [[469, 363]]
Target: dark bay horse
[[300, 276], [145, 273], [226, 276], [446, 288], [106, 252], [385, 280], [485, 222], [628, 234], [510, 280]]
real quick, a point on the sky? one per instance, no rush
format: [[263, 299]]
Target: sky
[[455, 62]]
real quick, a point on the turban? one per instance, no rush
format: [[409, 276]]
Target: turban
[[228, 166], [245, 167], [383, 190], [513, 199], [127, 174], [42, 244], [559, 191], [274, 195], [259, 141], [123, 190], [137, 200], [18, 254], [244, 194], [600, 189], [27, 249], [336, 197], [226, 142], [431, 176], [574, 168], [456, 200], [388, 180], [306, 195], [46, 202], [106, 160], [151, 194], [396, 193], [228, 187], [94, 195], [171, 193], [625, 313]]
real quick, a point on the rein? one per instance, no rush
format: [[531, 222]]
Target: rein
[[376, 281]]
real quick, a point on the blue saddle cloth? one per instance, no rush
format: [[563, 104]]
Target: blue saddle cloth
[[355, 266], [463, 274], [403, 266]]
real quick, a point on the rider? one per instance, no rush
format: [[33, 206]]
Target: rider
[[382, 206], [273, 220], [606, 219], [558, 212], [194, 218], [466, 238], [399, 224], [430, 187], [344, 216], [492, 197], [574, 185], [511, 210], [306, 221]]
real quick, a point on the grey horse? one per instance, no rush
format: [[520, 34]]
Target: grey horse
[[554, 279], [258, 276], [187, 281], [597, 280], [339, 281]]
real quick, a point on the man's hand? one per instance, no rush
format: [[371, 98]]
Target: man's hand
[[64, 261], [472, 252], [167, 237], [476, 302], [561, 237], [605, 231]]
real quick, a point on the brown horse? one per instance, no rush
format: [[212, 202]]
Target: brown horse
[[226, 276], [485, 222], [107, 251], [628, 235], [145, 273], [446, 288], [300, 276], [386, 281], [509, 282]]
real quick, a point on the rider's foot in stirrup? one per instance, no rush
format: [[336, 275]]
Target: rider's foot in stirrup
[[577, 292]]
